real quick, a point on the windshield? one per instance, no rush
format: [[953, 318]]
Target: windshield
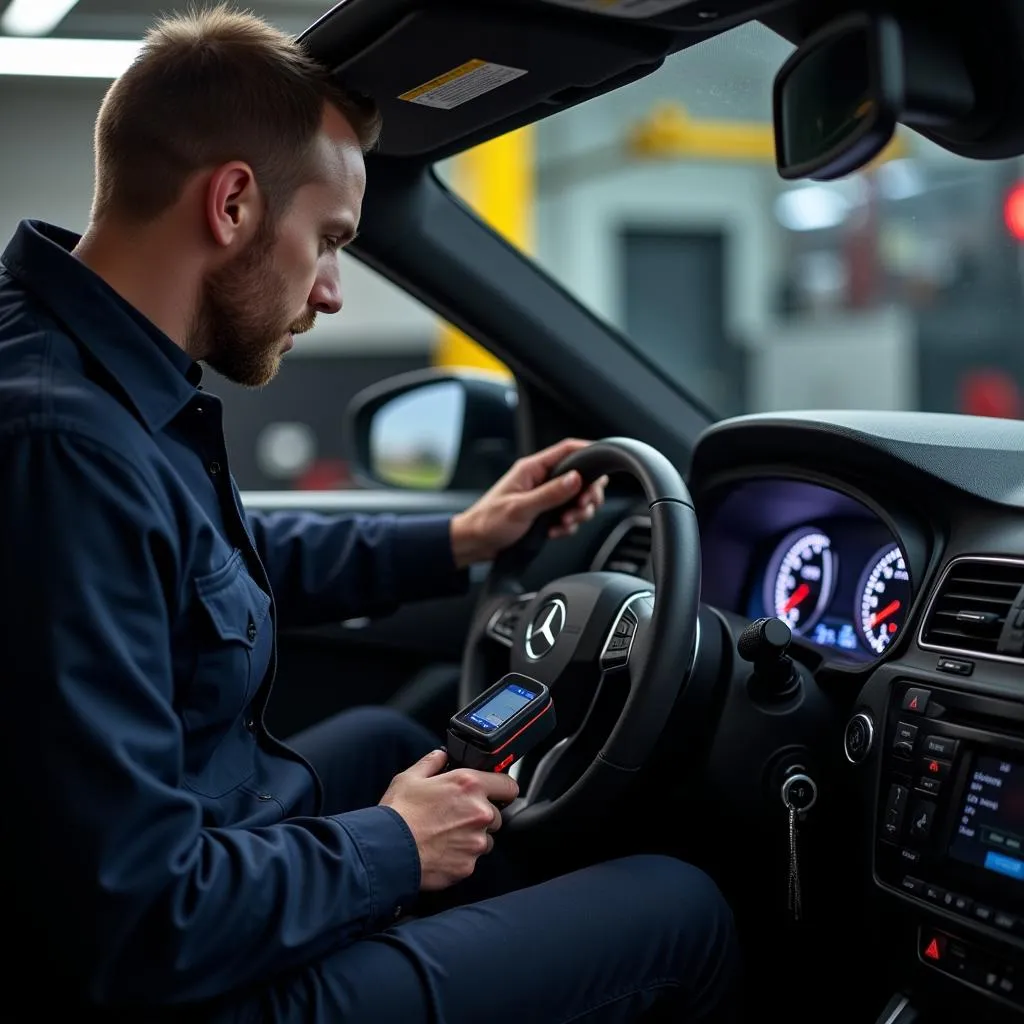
[[659, 207]]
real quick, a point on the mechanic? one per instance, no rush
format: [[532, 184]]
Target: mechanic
[[165, 853]]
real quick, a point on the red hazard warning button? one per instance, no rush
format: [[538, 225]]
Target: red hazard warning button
[[934, 947]]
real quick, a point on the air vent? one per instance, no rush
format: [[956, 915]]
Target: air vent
[[970, 608], [627, 549]]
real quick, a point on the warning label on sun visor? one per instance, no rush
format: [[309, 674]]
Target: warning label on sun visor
[[461, 84], [623, 8]]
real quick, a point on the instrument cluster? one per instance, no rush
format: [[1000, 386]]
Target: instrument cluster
[[835, 585], [817, 558]]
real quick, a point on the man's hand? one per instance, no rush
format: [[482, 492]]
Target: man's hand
[[504, 514], [452, 816]]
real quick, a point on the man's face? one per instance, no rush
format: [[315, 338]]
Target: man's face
[[253, 306]]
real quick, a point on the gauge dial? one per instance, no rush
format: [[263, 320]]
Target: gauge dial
[[800, 579], [883, 598]]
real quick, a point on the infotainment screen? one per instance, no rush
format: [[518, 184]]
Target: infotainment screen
[[990, 830]]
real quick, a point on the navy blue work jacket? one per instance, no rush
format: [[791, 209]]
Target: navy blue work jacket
[[161, 845]]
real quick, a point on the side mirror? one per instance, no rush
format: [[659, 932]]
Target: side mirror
[[435, 430]]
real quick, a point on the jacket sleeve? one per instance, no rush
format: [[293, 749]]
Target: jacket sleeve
[[328, 568], [118, 880]]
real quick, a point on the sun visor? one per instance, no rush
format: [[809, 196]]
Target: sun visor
[[441, 75]]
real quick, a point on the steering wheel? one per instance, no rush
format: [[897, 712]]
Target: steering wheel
[[614, 657]]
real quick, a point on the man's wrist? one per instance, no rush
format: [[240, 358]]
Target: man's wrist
[[467, 545]]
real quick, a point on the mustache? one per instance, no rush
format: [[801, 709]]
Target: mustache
[[304, 323]]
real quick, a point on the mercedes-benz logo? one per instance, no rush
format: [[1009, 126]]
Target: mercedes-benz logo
[[542, 633]]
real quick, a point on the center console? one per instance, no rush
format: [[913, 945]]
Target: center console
[[950, 831]]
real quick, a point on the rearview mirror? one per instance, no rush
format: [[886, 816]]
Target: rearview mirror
[[435, 430], [839, 96]]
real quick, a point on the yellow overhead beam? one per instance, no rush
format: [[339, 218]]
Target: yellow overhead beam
[[669, 132], [496, 180]]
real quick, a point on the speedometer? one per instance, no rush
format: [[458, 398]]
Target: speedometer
[[883, 598], [800, 579]]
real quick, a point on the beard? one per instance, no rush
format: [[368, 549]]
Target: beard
[[241, 326]]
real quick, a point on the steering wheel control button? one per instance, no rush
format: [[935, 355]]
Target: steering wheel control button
[[617, 647], [904, 739], [915, 700], [505, 621], [799, 793], [940, 746], [922, 817], [859, 737], [955, 667], [895, 808]]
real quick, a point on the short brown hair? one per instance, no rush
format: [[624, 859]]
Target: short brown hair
[[210, 87]]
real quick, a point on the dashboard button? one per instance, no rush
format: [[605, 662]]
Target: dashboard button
[[1005, 922], [961, 904], [912, 885], [895, 808], [909, 856], [916, 700], [921, 819], [929, 786], [933, 768], [859, 737], [983, 913], [954, 666], [940, 746], [904, 738]]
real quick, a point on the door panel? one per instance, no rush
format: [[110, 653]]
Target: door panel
[[409, 658]]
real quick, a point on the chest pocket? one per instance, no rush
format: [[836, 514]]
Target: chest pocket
[[232, 644]]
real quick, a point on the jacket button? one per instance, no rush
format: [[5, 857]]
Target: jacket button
[[397, 913], [250, 724], [252, 632], [214, 468], [264, 796]]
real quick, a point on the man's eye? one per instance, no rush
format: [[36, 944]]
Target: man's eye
[[332, 244]]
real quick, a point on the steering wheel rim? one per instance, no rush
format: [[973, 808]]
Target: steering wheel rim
[[659, 661]]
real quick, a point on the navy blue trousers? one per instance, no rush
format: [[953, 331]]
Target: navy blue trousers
[[640, 938]]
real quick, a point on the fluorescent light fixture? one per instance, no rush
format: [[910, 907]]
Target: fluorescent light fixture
[[34, 17], [67, 58]]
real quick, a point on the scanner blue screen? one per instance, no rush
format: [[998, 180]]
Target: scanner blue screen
[[501, 707]]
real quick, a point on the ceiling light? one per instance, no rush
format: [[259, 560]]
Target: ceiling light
[[67, 58], [34, 17]]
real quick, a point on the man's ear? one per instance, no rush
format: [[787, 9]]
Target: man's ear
[[234, 205]]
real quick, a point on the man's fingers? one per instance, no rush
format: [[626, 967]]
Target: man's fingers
[[552, 494], [430, 765], [498, 787]]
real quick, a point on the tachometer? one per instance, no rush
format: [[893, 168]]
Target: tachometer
[[800, 579], [883, 597]]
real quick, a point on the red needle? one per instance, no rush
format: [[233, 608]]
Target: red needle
[[892, 606], [795, 598]]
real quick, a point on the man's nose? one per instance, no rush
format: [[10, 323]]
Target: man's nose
[[326, 294]]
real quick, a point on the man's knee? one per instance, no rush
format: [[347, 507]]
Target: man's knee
[[685, 907]]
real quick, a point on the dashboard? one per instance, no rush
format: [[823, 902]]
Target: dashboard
[[893, 545], [822, 561]]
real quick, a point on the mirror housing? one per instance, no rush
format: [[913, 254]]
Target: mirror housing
[[838, 98], [434, 430]]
